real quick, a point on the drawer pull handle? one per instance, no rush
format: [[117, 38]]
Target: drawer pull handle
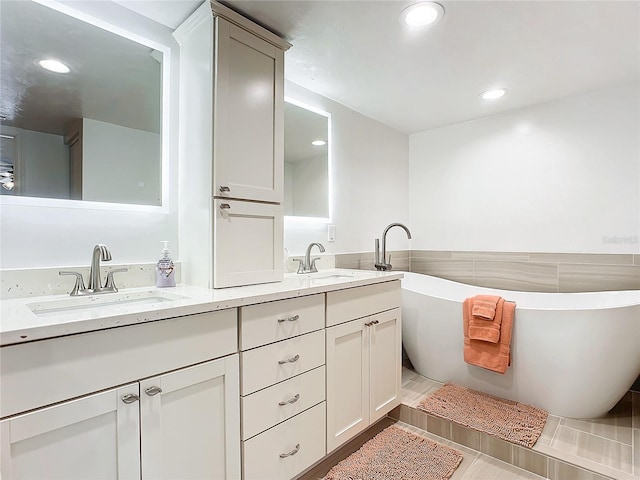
[[225, 206], [291, 453], [289, 402], [291, 360], [224, 189], [151, 391], [130, 398], [289, 319]]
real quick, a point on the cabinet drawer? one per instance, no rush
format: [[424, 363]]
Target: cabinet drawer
[[264, 366], [273, 405], [358, 302], [302, 437], [274, 321], [41, 373]]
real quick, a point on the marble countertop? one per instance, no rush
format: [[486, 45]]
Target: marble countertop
[[19, 323]]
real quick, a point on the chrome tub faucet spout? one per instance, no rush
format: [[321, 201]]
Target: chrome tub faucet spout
[[381, 257]]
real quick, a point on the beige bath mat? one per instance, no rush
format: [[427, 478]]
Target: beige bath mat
[[511, 421], [399, 455]]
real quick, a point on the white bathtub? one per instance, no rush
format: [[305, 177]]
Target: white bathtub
[[573, 354]]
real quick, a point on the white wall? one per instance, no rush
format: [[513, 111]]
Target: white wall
[[370, 174], [120, 164], [62, 233], [563, 176]]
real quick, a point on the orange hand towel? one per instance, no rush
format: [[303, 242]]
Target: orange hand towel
[[492, 356], [485, 306], [487, 330]]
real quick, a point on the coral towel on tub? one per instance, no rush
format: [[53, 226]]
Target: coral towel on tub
[[487, 342]]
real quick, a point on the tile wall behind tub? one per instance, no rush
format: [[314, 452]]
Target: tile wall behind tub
[[522, 271], [532, 272]]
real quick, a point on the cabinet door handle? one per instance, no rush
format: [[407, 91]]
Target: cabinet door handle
[[376, 322], [291, 453], [151, 391], [224, 188], [290, 401], [289, 319], [130, 398], [368, 324], [291, 360], [225, 206]]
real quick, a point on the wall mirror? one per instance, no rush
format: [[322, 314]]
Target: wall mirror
[[307, 185], [90, 130]]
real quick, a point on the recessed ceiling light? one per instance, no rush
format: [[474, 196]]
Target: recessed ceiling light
[[54, 65], [493, 94], [422, 14], [318, 143]]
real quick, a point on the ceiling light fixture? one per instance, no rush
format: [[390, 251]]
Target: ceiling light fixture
[[54, 65], [422, 14], [493, 94], [318, 143]]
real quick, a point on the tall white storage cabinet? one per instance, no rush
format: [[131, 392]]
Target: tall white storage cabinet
[[231, 149]]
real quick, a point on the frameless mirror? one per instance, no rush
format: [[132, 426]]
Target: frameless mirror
[[306, 162], [89, 130]]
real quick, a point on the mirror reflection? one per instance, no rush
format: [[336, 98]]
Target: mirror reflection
[[306, 161], [87, 127]]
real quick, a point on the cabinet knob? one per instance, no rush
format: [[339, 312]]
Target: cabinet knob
[[225, 206], [130, 398], [290, 360], [151, 391], [224, 189], [290, 401], [289, 319], [291, 453]]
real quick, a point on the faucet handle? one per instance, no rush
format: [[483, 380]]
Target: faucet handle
[[312, 267], [300, 264], [79, 285], [110, 284]]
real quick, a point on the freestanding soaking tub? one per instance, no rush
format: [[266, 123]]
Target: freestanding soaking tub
[[573, 354]]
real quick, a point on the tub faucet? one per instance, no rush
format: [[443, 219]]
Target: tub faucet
[[381, 259], [307, 265]]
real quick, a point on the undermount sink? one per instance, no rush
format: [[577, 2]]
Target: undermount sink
[[89, 302], [329, 276]]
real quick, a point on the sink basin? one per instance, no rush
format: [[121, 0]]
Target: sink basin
[[90, 302], [331, 276]]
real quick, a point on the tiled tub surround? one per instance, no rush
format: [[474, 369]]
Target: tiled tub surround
[[522, 271], [568, 449]]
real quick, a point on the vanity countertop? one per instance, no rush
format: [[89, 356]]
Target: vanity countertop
[[19, 323]]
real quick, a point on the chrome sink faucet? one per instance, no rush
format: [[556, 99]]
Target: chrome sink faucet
[[100, 252], [381, 259], [308, 265]]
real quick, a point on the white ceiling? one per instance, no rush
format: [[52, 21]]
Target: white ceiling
[[358, 53]]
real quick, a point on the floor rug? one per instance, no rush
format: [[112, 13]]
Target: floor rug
[[511, 421], [396, 454]]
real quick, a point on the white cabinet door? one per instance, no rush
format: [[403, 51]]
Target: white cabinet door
[[385, 342], [347, 381], [93, 437], [190, 422], [248, 138], [248, 243]]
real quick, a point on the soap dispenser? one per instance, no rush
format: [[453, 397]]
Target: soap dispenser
[[164, 269]]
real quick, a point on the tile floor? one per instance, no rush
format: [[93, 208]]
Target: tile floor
[[474, 466], [609, 445]]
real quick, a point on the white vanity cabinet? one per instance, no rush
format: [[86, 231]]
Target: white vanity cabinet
[[364, 358], [147, 428], [283, 386], [231, 149]]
